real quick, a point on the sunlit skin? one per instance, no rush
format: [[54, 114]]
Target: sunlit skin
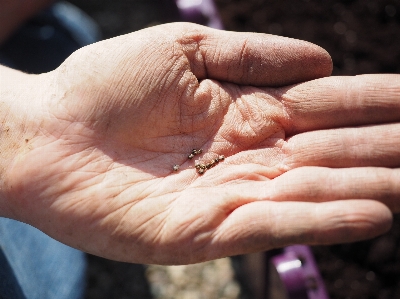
[[89, 149]]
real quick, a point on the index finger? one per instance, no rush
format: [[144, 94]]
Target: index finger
[[342, 101]]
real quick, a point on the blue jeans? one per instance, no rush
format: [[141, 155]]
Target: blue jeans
[[33, 265]]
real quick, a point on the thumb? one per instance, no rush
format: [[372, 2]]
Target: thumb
[[251, 58]]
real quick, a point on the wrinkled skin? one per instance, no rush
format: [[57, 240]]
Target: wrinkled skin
[[304, 162]]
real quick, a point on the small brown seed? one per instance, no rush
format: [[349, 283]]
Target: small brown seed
[[195, 152], [201, 168]]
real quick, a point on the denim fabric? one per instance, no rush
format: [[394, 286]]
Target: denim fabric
[[33, 265]]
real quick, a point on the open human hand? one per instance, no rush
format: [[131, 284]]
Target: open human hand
[[92, 164]]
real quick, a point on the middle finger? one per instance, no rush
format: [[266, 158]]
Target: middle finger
[[348, 147]]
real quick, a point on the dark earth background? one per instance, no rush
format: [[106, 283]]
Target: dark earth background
[[362, 36]]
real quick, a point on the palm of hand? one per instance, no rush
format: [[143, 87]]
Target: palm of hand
[[106, 184]]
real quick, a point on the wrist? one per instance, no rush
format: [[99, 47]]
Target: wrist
[[19, 123]]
